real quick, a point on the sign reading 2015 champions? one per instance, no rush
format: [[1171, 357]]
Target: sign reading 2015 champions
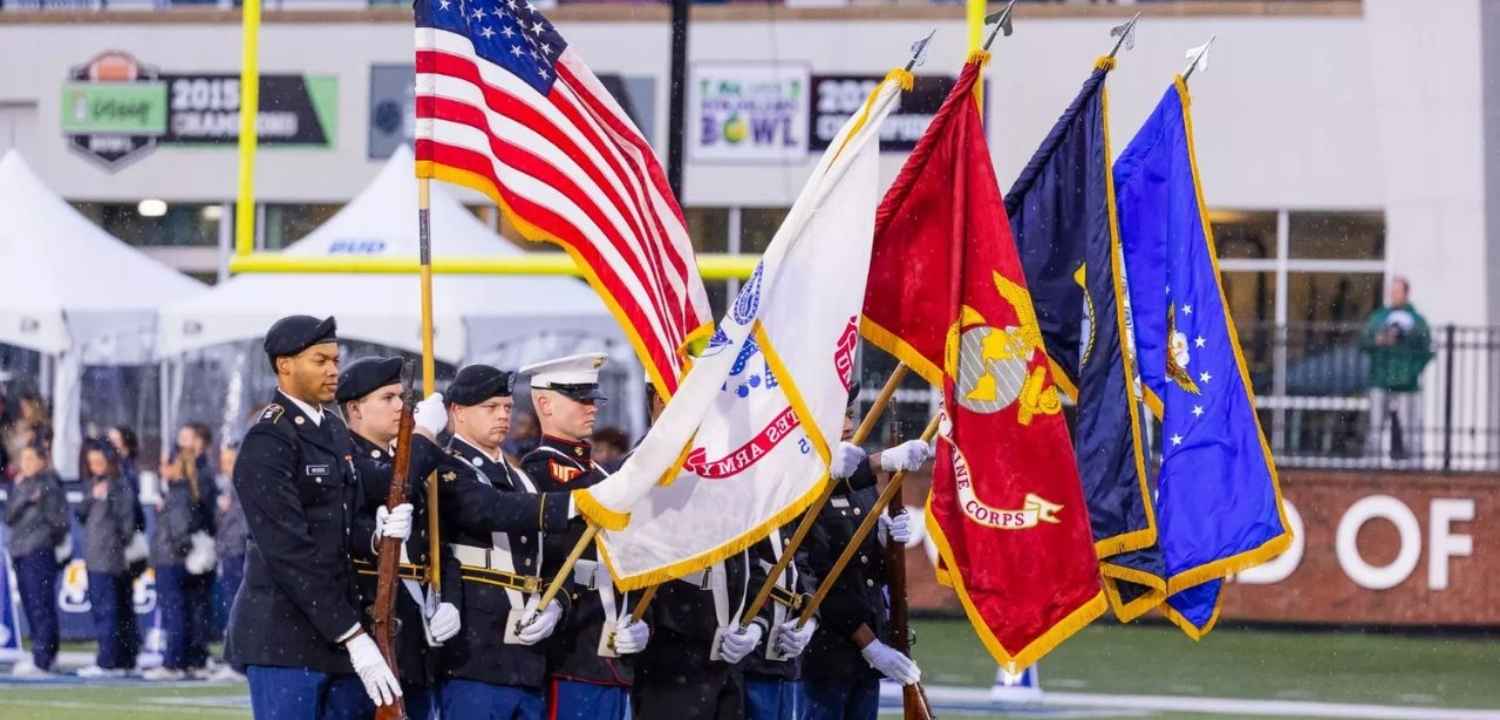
[[747, 112], [116, 109]]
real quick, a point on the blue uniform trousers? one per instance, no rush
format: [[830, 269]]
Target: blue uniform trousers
[[842, 700], [772, 698], [278, 693], [483, 701], [36, 579], [114, 621], [573, 700]]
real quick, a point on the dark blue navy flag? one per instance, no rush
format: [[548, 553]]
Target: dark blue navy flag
[[1062, 213], [1218, 506]]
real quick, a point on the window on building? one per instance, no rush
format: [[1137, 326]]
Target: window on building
[[1300, 284], [1244, 234], [1337, 235], [286, 224], [157, 223], [758, 226], [709, 228]]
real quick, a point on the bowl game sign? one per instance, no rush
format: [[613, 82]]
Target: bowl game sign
[[747, 112]]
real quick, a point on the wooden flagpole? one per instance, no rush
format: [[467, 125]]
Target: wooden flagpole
[[429, 379], [810, 518]]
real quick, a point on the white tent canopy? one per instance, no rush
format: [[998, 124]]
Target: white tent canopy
[[472, 314], [74, 293], [70, 286]]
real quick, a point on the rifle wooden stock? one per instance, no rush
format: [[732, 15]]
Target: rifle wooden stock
[[389, 559], [913, 698]]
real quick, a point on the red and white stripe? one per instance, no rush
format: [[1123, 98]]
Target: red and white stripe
[[572, 164]]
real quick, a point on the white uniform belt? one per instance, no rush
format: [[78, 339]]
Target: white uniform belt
[[591, 574], [484, 557]]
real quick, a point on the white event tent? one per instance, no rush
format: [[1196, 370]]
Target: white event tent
[[75, 294]]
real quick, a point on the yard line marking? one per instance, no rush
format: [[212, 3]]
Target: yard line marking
[[978, 699]]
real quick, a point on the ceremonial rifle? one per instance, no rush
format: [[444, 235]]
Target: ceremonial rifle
[[389, 555], [913, 697]]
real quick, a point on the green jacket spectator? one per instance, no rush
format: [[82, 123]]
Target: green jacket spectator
[[1399, 343]]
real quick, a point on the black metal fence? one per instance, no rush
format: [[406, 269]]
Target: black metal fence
[[1319, 406]]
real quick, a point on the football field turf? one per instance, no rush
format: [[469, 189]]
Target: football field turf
[[1103, 673]]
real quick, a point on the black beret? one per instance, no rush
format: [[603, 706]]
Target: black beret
[[366, 375], [295, 333], [476, 383]]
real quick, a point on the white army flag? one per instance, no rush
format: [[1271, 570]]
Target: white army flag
[[744, 444]]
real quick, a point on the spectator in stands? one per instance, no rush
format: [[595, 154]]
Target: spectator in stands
[[610, 446], [5, 470], [28, 425], [1399, 345], [180, 567], [37, 514], [525, 435], [109, 515], [202, 576], [127, 447], [230, 539]]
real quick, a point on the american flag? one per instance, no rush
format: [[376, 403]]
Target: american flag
[[505, 107]]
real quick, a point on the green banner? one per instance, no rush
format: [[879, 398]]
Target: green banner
[[138, 108]]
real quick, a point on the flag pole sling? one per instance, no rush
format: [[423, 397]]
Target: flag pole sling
[[892, 489], [429, 379], [567, 567], [810, 518]]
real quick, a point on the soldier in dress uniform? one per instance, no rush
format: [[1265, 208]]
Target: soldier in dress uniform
[[589, 667], [848, 655], [773, 672], [496, 520], [296, 622], [370, 395], [693, 668]]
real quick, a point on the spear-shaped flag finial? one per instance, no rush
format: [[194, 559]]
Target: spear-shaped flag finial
[[1197, 58], [1002, 23], [1126, 35], [919, 50]]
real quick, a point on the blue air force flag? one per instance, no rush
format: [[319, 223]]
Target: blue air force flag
[[1062, 213], [1218, 506]]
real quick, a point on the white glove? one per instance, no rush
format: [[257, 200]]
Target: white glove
[[442, 623], [430, 414], [536, 627], [393, 523], [907, 456], [792, 640], [631, 636], [845, 460], [738, 644], [380, 684], [897, 528], [891, 663]]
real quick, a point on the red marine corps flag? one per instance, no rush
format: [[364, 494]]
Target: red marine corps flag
[[947, 295]]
